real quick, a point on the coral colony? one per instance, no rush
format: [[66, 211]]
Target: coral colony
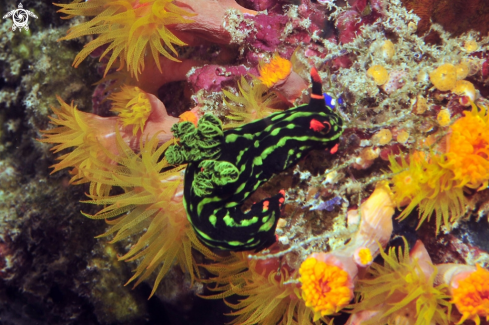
[[305, 135]]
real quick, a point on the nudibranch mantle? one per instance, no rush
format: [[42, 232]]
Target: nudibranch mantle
[[226, 167]]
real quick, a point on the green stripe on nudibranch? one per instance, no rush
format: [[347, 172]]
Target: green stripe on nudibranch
[[226, 167]]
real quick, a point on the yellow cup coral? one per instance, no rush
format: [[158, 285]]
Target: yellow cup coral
[[382, 137], [402, 291], [363, 256], [267, 299], [444, 77], [133, 107], [471, 46], [379, 74], [129, 28], [463, 70], [255, 102], [403, 136], [421, 105], [424, 182]]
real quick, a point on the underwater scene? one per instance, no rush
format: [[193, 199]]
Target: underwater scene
[[241, 162]]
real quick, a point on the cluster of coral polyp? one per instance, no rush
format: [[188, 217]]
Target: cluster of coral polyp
[[415, 108]]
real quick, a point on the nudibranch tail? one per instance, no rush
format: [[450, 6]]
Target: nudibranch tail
[[226, 167]]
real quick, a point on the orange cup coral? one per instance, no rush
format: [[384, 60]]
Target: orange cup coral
[[128, 28], [328, 279], [279, 76], [469, 287], [472, 295], [424, 182], [468, 149], [255, 102], [267, 299], [151, 205], [133, 107], [274, 71], [326, 287], [435, 182]]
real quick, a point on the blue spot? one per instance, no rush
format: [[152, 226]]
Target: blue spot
[[332, 102], [328, 205]]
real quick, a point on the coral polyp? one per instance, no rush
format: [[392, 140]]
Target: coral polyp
[[274, 71], [379, 74], [265, 298], [253, 102], [133, 107], [326, 289], [426, 184], [129, 30], [469, 289], [151, 204], [444, 77], [468, 148], [403, 290]]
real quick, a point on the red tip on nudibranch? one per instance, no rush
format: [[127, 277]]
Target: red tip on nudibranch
[[282, 199], [315, 75], [334, 149], [316, 125]]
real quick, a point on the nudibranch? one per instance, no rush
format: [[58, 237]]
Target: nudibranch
[[226, 167]]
